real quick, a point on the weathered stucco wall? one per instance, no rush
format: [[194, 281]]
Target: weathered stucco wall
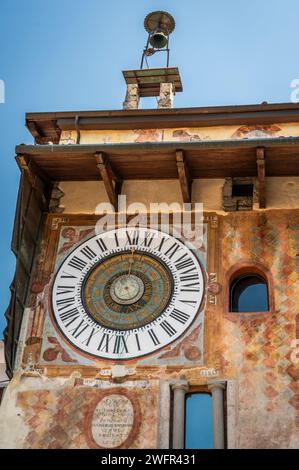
[[84, 197], [282, 192], [209, 192], [152, 191]]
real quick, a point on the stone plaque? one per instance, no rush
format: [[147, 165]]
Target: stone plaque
[[111, 423]]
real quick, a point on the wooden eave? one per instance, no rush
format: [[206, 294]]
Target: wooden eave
[[47, 127], [207, 159], [149, 80]]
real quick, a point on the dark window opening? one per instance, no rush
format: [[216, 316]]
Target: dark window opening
[[199, 421], [242, 190], [249, 293]]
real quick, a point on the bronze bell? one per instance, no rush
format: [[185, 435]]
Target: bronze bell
[[158, 39]]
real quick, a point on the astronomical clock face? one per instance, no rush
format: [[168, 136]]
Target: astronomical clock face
[[127, 293]]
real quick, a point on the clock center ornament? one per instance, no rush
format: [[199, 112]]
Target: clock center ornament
[[127, 293], [127, 289]]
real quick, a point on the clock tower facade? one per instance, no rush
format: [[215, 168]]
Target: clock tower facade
[[132, 230]]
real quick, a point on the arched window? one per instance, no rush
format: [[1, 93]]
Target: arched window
[[249, 293]]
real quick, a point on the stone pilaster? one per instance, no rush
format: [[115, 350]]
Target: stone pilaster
[[166, 95], [217, 389], [132, 97], [178, 421]]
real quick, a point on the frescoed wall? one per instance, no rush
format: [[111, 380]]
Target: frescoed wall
[[194, 134], [255, 353], [260, 350]]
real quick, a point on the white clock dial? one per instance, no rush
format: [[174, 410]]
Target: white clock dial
[[127, 293]]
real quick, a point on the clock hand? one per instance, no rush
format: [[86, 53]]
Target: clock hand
[[131, 260], [133, 250]]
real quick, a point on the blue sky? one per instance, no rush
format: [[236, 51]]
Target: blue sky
[[199, 421], [68, 55]]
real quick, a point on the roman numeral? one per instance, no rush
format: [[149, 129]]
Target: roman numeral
[[65, 289], [88, 252], [191, 303], [76, 332], [72, 314], [161, 243], [77, 263], [191, 277], [179, 316], [104, 343], [137, 341], [168, 328], [153, 337], [65, 303], [92, 334], [190, 287], [194, 286], [67, 276], [172, 250], [184, 262], [133, 237], [102, 244], [148, 238], [116, 240], [120, 345]]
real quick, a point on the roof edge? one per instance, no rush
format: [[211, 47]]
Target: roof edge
[[156, 146], [46, 127]]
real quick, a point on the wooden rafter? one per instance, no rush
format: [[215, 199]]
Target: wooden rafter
[[32, 127], [111, 181], [24, 166], [184, 176], [261, 172], [114, 176], [36, 178]]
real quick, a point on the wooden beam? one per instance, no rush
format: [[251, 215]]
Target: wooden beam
[[118, 182], [24, 166], [36, 178], [32, 169], [104, 170], [184, 176], [32, 127], [261, 173], [114, 175]]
